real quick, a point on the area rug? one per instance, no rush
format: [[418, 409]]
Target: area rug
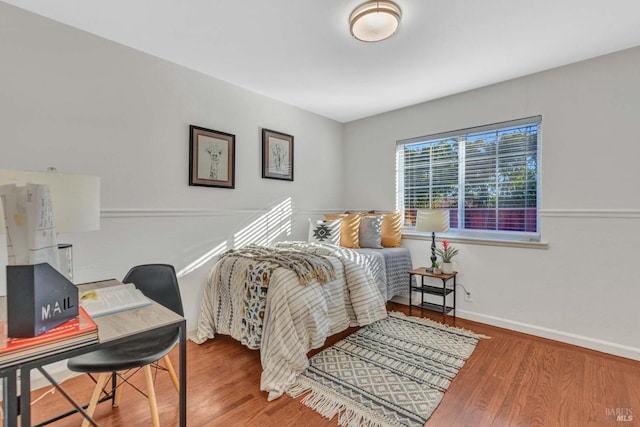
[[393, 372]]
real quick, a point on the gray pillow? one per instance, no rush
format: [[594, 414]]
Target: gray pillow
[[371, 232]]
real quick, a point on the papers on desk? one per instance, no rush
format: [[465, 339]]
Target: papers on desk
[[112, 299]]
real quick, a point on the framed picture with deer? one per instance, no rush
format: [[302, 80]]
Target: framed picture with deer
[[212, 158], [277, 155]]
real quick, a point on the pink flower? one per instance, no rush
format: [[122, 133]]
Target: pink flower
[[447, 252]]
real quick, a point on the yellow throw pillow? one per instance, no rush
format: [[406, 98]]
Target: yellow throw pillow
[[391, 229], [350, 231]]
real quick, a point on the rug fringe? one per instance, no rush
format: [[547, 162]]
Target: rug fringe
[[433, 323], [326, 403], [297, 390], [326, 406], [353, 418]]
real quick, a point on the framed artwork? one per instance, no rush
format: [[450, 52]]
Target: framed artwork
[[277, 155], [212, 158]]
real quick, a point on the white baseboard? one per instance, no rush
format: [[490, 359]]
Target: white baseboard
[[539, 331]]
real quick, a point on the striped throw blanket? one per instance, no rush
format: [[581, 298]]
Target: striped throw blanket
[[307, 266]]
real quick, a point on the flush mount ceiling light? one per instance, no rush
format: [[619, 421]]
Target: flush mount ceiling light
[[375, 20]]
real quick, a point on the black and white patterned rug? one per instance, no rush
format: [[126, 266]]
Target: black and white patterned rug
[[391, 373]]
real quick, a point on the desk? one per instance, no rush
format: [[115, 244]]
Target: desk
[[113, 329]]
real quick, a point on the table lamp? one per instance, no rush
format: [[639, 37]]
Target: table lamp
[[75, 200], [433, 220]]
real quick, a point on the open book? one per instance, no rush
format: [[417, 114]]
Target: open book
[[112, 299]]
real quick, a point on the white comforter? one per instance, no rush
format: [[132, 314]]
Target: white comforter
[[297, 318]]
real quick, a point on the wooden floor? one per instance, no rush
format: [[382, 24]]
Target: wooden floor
[[511, 379]]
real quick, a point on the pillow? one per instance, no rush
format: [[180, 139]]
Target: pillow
[[322, 231], [350, 232], [391, 230], [370, 232]]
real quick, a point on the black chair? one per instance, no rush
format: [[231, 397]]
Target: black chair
[[159, 283]]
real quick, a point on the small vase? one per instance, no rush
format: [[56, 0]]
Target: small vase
[[447, 267]]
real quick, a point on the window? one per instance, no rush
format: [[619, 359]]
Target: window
[[488, 178]]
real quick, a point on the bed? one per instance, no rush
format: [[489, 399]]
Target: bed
[[342, 287]]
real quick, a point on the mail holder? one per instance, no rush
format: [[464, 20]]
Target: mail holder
[[39, 298]]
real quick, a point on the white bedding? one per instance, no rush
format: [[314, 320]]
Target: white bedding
[[297, 318]]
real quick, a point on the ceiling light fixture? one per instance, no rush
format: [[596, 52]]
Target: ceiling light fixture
[[375, 20]]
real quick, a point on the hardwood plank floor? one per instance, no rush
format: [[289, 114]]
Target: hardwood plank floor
[[512, 379]]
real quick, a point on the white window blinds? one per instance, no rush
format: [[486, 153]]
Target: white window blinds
[[486, 176]]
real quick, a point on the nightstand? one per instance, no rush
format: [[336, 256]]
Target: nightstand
[[441, 291]]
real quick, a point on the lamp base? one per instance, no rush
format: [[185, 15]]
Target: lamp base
[[433, 251]]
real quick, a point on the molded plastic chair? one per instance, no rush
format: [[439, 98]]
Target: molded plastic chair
[[159, 283]]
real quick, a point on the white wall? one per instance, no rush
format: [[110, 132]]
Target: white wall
[[585, 287], [87, 105]]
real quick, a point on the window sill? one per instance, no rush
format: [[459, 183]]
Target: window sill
[[416, 235]]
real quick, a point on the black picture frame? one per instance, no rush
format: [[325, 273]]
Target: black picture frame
[[212, 158], [277, 155]]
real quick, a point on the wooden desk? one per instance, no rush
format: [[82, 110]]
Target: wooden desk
[[113, 329]]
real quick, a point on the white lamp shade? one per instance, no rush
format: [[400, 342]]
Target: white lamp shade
[[75, 198], [375, 20], [432, 220]]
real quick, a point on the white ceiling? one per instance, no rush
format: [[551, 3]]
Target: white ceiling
[[301, 52]]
